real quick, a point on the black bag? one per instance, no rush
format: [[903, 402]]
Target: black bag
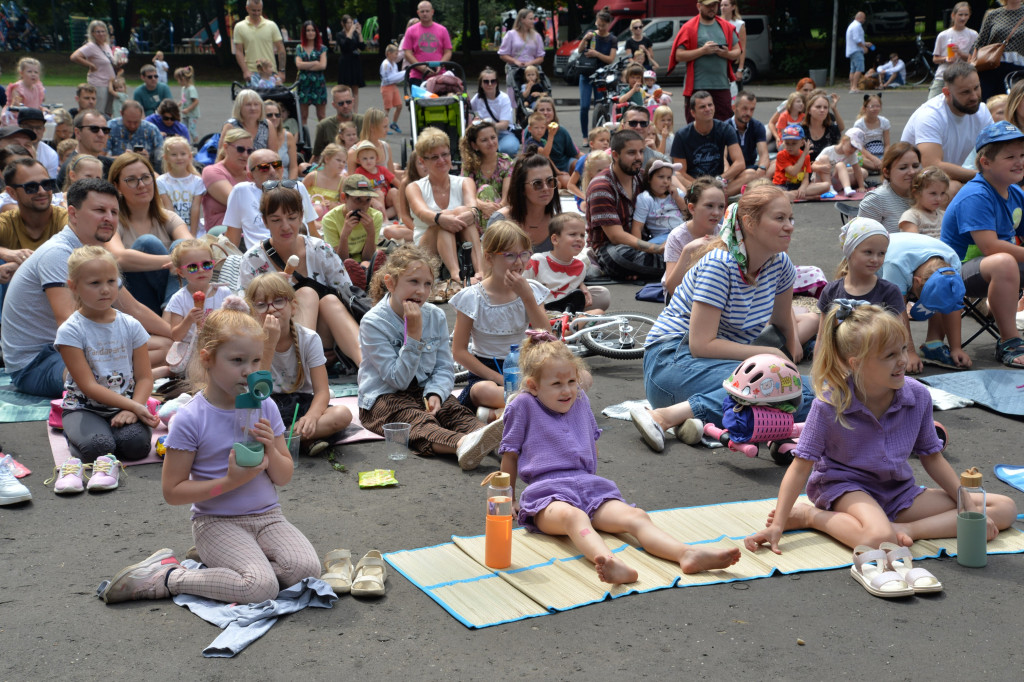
[[352, 297], [585, 66]]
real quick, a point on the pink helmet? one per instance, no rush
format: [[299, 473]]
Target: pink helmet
[[765, 379]]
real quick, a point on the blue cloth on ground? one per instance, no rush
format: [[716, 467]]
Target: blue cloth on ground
[[243, 624], [652, 291], [1011, 475], [996, 389]]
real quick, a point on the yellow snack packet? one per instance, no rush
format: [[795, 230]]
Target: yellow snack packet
[[378, 478]]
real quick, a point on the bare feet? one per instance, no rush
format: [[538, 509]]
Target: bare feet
[[903, 538], [697, 559], [611, 569], [799, 517]]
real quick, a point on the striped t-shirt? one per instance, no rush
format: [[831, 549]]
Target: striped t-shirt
[[885, 206], [717, 281]]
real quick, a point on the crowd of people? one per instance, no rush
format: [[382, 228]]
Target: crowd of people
[[111, 241]]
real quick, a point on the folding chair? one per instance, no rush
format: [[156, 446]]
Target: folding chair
[[973, 308], [847, 211]]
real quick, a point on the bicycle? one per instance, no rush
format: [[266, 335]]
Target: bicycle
[[920, 67]]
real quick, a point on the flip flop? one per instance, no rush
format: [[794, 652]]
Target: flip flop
[[869, 570], [338, 570], [900, 559], [371, 573]]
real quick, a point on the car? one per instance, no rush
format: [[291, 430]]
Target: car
[[885, 16]]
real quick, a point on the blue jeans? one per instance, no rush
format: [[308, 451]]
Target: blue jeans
[[586, 93], [672, 375], [44, 376], [152, 289], [508, 143]]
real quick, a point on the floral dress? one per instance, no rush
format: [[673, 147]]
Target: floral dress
[[489, 188], [312, 84]]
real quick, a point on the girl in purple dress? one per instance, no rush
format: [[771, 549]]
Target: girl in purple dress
[[853, 453], [550, 440]]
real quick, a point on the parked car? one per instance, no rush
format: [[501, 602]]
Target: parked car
[[885, 16], [662, 32]]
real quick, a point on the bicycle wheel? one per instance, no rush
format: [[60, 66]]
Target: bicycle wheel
[[461, 374], [620, 342]]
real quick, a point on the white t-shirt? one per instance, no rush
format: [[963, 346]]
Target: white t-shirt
[[243, 210], [46, 156], [899, 67], [495, 327], [559, 277], [284, 368], [500, 105], [835, 157], [934, 122], [964, 39], [182, 192], [874, 138], [161, 71], [659, 215], [854, 37], [181, 303]]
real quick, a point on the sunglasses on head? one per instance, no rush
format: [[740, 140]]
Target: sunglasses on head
[[96, 130], [244, 150], [264, 167], [193, 268], [48, 185], [271, 184], [638, 124], [538, 185]]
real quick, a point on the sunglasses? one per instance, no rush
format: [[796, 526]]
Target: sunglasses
[[344, 102], [167, 119], [96, 130], [638, 124], [512, 256], [48, 185], [264, 167], [143, 180], [244, 150], [489, 81], [266, 306], [272, 184], [549, 182], [193, 268], [273, 115], [151, 75]]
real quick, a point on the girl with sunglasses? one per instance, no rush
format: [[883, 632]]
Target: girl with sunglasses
[[193, 263], [490, 104], [167, 119], [494, 314]]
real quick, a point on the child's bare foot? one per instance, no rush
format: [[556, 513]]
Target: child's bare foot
[[697, 559], [903, 537], [611, 569], [799, 517]]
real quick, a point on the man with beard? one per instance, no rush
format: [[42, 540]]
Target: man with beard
[[701, 147], [44, 302], [945, 127], [750, 133], [34, 221], [611, 196]]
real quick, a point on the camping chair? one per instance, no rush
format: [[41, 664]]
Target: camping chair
[[977, 309], [847, 210]]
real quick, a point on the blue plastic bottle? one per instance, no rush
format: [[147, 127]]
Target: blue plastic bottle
[[510, 371]]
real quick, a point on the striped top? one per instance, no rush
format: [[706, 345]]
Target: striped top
[[717, 281], [885, 206]]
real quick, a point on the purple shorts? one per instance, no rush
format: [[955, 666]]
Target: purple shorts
[[583, 491], [893, 497]]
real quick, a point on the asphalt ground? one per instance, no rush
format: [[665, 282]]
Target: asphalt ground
[[55, 550]]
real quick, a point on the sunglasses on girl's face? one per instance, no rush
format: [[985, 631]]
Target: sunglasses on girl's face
[[267, 306], [244, 150], [264, 167], [538, 185], [193, 268]]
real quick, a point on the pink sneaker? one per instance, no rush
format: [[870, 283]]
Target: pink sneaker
[[105, 471], [68, 477], [144, 580]]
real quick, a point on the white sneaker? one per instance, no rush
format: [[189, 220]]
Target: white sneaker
[[12, 491], [649, 429], [68, 477], [478, 444], [691, 431]]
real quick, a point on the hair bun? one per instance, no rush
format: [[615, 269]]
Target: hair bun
[[234, 302]]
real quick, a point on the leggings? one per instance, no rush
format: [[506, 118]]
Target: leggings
[[249, 558], [451, 422], [90, 435]]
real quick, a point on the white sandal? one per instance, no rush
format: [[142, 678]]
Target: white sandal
[[869, 570], [900, 560]]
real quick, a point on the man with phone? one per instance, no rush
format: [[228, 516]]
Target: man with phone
[[708, 45], [130, 132]]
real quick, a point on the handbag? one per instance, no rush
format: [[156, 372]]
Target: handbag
[[352, 297], [989, 57]]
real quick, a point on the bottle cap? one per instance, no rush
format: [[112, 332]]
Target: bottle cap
[[971, 478], [498, 479]]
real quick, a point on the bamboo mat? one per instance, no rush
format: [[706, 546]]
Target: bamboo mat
[[548, 574]]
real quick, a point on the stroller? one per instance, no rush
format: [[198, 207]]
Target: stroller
[[514, 82], [288, 98], [446, 112]]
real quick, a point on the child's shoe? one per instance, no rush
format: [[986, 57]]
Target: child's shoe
[[478, 444], [144, 580], [12, 490], [849, 191], [691, 431], [828, 195], [394, 126], [68, 477], [105, 472]]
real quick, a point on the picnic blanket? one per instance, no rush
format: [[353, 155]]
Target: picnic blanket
[[548, 574], [997, 389], [16, 406]]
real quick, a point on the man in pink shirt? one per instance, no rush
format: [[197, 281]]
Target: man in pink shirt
[[426, 42]]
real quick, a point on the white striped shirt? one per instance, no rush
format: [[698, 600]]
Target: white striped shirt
[[717, 281], [885, 206]]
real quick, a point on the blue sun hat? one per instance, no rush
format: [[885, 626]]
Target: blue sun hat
[[942, 293], [1001, 131]]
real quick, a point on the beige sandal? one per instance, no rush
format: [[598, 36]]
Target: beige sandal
[[338, 570], [371, 573]]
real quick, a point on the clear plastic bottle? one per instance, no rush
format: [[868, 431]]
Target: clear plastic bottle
[[498, 530], [510, 372], [971, 521]]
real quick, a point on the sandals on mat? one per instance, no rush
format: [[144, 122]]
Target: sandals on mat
[[338, 570], [371, 573], [900, 560], [869, 569]]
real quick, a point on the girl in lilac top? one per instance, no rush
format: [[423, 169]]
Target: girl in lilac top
[[550, 440], [250, 550], [866, 422]]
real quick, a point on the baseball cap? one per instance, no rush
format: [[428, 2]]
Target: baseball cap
[[650, 74], [942, 293], [1002, 131], [11, 131], [856, 136], [358, 185], [792, 132], [30, 114]]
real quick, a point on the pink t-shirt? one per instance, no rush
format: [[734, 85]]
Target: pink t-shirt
[[213, 210], [101, 58], [31, 97], [208, 431], [427, 44]]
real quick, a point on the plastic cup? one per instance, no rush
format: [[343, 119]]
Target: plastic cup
[[396, 440], [293, 448]]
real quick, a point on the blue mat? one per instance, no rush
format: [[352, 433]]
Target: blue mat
[[20, 407], [1001, 390], [1011, 475]]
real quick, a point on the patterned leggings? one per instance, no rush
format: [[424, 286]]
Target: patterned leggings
[[451, 422], [250, 558]]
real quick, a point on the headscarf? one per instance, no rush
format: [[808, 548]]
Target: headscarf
[[732, 234], [857, 230]]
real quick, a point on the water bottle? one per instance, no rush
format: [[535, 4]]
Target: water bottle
[[971, 522], [498, 530], [510, 372]]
